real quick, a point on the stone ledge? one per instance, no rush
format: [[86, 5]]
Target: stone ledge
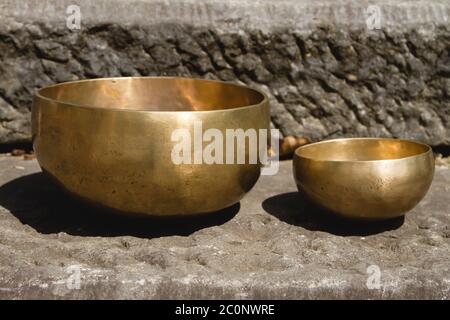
[[271, 246], [232, 16]]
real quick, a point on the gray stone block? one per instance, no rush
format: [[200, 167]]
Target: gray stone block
[[326, 73], [273, 245]]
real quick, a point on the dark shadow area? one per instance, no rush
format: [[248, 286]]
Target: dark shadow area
[[443, 150], [295, 209], [8, 147], [38, 202]]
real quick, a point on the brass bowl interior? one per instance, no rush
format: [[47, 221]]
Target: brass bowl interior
[[364, 149], [153, 94]]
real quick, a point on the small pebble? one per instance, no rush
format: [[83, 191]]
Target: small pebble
[[30, 156], [289, 144], [352, 77], [442, 161], [17, 152]]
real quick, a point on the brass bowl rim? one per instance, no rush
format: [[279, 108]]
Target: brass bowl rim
[[428, 150], [40, 96]]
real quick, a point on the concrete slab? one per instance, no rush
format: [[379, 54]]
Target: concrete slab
[[271, 245]]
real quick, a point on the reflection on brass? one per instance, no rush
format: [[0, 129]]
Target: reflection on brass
[[108, 141], [364, 178]]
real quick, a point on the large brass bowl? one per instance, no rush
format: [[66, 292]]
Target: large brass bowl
[[364, 178], [108, 141]]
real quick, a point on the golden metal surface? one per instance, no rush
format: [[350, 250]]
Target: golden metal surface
[[108, 141], [365, 178]]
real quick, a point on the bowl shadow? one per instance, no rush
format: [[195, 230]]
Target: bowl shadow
[[38, 202], [294, 208]]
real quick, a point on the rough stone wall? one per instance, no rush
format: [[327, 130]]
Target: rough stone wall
[[327, 82]]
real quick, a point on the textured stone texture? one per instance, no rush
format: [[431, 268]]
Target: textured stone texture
[[272, 245], [327, 75]]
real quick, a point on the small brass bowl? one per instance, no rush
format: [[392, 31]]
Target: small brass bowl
[[109, 141], [364, 178]]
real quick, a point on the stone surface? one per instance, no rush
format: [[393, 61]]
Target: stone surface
[[271, 245], [326, 74]]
